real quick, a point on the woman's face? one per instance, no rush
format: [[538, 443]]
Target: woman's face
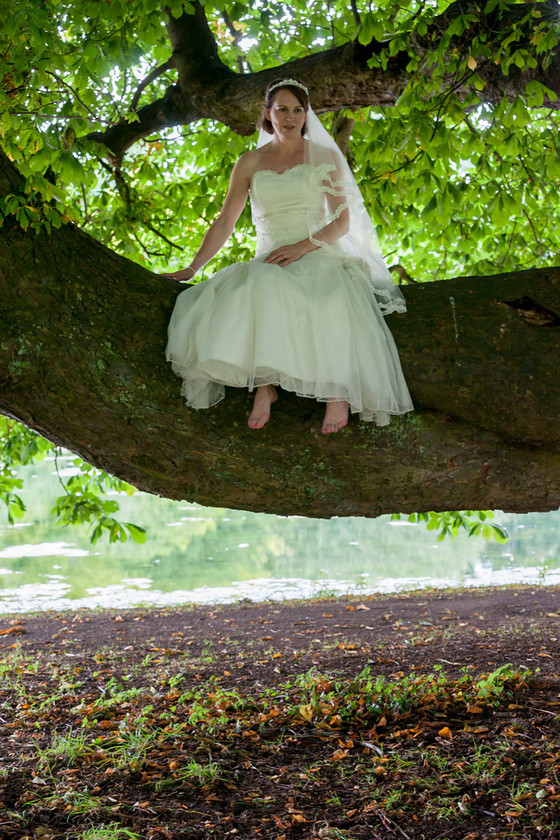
[[286, 114]]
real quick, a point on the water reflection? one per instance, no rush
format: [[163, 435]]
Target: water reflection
[[210, 555]]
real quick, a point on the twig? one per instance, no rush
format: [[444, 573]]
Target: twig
[[146, 251], [118, 103], [502, 261], [165, 239], [470, 126], [112, 33], [355, 12], [531, 225], [7, 50], [405, 277], [152, 75], [341, 130], [84, 197], [127, 195], [62, 484], [544, 711], [402, 166], [237, 37], [122, 186], [391, 824], [92, 114], [235, 34], [370, 746]]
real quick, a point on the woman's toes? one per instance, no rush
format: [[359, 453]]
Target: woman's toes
[[336, 417]]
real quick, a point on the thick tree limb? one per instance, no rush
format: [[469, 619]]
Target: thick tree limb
[[339, 77], [170, 110], [82, 338]]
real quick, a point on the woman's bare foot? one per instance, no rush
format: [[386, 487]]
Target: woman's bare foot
[[265, 395], [336, 417]]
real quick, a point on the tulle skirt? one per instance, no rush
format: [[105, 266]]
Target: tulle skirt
[[313, 327]]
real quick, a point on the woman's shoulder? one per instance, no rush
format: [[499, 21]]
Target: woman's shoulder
[[249, 162]]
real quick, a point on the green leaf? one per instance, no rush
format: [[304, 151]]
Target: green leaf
[[137, 533], [430, 206], [69, 166]]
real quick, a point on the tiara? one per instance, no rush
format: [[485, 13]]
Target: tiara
[[293, 82]]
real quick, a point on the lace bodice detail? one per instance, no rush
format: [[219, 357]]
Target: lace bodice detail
[[292, 205], [286, 205]]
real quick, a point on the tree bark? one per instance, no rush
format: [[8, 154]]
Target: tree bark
[[82, 340], [339, 77]]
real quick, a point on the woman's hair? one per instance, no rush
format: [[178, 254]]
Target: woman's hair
[[269, 97]]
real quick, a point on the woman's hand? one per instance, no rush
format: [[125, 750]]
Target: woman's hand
[[290, 253], [182, 276]]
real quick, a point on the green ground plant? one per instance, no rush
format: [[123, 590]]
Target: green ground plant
[[111, 831]]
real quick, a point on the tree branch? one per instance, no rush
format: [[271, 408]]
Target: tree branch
[[151, 77], [341, 131], [339, 77], [480, 355], [236, 37], [171, 109], [195, 52]]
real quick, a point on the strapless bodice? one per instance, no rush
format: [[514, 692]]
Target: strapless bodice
[[286, 205]]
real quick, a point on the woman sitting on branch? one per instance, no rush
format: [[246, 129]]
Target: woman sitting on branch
[[306, 313]]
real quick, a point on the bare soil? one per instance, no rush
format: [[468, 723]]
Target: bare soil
[[293, 741]]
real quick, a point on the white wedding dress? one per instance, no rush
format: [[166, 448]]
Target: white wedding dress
[[313, 327]]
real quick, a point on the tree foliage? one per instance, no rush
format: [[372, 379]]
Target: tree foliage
[[126, 120]]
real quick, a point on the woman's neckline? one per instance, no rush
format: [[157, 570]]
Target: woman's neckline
[[279, 171]]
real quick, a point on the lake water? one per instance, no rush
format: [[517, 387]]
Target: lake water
[[210, 555]]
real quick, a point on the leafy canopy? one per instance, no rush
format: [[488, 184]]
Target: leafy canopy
[[456, 183]]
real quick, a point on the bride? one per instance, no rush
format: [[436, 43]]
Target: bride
[[306, 313]]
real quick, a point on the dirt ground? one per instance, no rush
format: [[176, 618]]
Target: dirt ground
[[407, 717], [477, 628]]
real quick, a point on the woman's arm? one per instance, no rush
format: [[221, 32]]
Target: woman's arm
[[338, 227], [339, 213], [222, 227]]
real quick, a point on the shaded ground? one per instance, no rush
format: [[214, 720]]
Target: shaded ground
[[410, 716]]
